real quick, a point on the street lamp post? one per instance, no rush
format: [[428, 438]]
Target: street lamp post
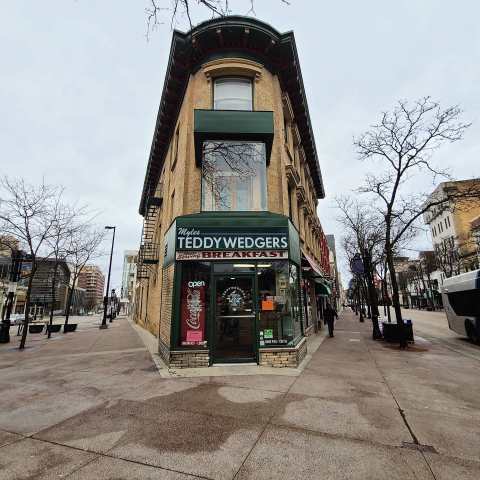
[[105, 299]]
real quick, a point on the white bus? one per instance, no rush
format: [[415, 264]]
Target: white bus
[[461, 299]]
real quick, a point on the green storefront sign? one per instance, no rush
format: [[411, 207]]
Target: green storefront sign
[[248, 236]]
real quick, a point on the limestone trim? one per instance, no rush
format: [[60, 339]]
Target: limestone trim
[[232, 66]]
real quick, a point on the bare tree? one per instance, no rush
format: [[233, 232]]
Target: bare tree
[[70, 223], [158, 11], [82, 247], [28, 213], [62, 229], [367, 239], [402, 144], [447, 257]]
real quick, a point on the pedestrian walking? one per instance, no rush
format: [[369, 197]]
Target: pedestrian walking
[[330, 314]]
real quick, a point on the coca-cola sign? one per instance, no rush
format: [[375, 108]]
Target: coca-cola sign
[[193, 313]]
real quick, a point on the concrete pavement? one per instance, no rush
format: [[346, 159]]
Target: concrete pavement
[[92, 405]]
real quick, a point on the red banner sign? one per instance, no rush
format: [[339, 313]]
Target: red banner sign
[[232, 255], [193, 312]]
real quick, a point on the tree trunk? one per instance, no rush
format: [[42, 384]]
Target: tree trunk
[[373, 300], [367, 299], [360, 300], [52, 306], [430, 289], [69, 304], [395, 296], [27, 306]]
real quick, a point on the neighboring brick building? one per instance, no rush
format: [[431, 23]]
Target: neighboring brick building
[[451, 228], [92, 280], [232, 252]]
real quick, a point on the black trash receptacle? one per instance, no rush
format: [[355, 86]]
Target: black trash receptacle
[[391, 331]]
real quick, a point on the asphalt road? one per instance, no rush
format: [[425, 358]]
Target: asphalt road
[[434, 327]]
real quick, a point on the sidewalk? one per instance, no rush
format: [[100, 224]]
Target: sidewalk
[[94, 406]]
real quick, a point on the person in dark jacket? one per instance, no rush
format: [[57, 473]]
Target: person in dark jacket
[[329, 315]]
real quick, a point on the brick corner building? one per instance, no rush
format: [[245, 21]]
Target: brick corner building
[[233, 261]]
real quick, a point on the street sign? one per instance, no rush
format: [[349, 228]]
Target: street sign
[[357, 265]]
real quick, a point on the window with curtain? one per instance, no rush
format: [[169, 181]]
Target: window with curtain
[[233, 93]]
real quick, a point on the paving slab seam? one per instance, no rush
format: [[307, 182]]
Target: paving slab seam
[[113, 457], [13, 441], [88, 462], [336, 436], [402, 414], [268, 423], [30, 435]]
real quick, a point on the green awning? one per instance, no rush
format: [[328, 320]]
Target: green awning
[[322, 288], [232, 125]]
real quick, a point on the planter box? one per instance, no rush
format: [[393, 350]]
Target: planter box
[[54, 328], [35, 328], [70, 327], [391, 332]]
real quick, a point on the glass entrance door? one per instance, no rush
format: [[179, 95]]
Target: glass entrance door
[[234, 318]]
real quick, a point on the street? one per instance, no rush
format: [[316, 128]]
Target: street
[[93, 405], [434, 327]]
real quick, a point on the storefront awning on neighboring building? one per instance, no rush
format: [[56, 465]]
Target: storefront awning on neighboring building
[[311, 266], [313, 270], [322, 288]]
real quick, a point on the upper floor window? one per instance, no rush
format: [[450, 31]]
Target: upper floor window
[[234, 176], [233, 93]]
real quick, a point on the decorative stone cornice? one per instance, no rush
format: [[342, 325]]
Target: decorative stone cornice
[[301, 196], [292, 174], [232, 66]]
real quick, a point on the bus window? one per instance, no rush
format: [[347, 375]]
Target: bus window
[[465, 303]]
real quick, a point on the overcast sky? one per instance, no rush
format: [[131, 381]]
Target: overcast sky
[[80, 88]]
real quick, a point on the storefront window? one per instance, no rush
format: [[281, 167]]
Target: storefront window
[[194, 303], [279, 310], [234, 176]]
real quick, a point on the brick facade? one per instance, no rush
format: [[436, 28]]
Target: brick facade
[[177, 180], [189, 359]]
